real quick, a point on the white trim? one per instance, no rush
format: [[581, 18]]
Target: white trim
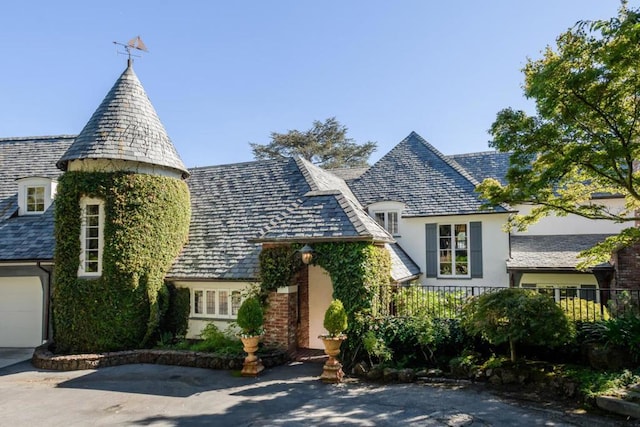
[[202, 308], [453, 238], [48, 187], [84, 202], [287, 289]]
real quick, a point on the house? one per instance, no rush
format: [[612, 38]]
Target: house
[[417, 203]]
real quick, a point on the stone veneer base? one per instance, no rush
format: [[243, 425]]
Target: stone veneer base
[[43, 358]]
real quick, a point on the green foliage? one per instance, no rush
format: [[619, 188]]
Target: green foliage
[[146, 225], [622, 332], [358, 271], [376, 348], [585, 136], [578, 309], [416, 301], [325, 144], [216, 341], [251, 317], [516, 315], [596, 383], [175, 321], [335, 318], [278, 266]]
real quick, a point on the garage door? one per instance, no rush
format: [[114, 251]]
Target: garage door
[[20, 312]]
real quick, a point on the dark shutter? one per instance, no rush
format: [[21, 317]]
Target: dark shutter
[[476, 248], [432, 250]]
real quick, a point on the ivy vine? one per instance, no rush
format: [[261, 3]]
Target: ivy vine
[[146, 225]]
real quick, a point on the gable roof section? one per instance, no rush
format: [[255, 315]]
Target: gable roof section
[[403, 268], [27, 237], [486, 164], [425, 180], [550, 252], [231, 205], [125, 127]]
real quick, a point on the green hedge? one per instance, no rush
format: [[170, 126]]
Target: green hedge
[[146, 225]]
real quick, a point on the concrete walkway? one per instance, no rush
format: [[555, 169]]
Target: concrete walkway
[[10, 356], [290, 395]]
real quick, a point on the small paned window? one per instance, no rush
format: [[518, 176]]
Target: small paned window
[[388, 220], [91, 238], [35, 199], [216, 303], [453, 256]]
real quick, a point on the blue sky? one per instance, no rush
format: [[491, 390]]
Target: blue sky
[[223, 74]]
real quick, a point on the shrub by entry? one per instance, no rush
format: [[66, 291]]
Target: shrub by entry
[[251, 317], [335, 318]]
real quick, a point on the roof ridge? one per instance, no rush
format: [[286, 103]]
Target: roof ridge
[[475, 153], [348, 206], [35, 138], [452, 163]]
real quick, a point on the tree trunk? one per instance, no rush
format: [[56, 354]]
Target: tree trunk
[[512, 347]]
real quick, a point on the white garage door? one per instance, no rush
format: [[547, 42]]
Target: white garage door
[[20, 312]]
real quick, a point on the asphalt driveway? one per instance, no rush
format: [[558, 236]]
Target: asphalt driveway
[[157, 395]]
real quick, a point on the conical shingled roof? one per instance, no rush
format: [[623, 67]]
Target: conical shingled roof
[[125, 127]]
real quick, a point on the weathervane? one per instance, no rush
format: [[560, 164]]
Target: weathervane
[[133, 44]]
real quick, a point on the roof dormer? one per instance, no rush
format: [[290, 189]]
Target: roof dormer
[[35, 194]]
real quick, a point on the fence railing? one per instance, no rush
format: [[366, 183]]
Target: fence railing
[[580, 304]]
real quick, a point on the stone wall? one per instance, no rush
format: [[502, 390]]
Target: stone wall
[[43, 358]]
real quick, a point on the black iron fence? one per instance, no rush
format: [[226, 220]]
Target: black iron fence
[[586, 304]]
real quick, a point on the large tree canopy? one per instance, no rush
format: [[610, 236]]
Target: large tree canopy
[[584, 140], [325, 144]]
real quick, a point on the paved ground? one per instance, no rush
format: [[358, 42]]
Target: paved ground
[[285, 396], [10, 356]]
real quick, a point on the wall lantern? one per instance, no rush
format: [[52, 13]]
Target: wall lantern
[[306, 253]]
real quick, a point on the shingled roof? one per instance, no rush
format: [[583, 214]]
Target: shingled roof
[[27, 237], [486, 164], [236, 207], [550, 252], [125, 127], [426, 181]]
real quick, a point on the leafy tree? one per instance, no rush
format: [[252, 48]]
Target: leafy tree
[[584, 139], [516, 315], [325, 144]]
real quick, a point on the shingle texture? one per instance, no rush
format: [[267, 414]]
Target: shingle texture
[[27, 237], [421, 177], [402, 266], [487, 164], [550, 252], [234, 207], [125, 127]]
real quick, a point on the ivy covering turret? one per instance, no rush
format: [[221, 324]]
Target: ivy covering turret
[[124, 159]]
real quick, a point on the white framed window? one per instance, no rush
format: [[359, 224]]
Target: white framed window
[[561, 292], [453, 253], [215, 303], [35, 195], [35, 199], [388, 220], [91, 237]]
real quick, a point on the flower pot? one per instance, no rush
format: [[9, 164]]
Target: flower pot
[[332, 370], [252, 365]]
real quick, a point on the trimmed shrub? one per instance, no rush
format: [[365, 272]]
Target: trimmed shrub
[[582, 310], [251, 317], [335, 318], [176, 318]]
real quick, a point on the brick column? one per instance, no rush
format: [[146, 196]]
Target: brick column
[[281, 319]]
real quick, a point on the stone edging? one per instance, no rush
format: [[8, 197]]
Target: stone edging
[[45, 359]]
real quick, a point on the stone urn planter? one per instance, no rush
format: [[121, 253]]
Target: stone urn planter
[[332, 369], [335, 322], [250, 320], [252, 365]]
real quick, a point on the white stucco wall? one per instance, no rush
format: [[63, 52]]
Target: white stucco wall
[[495, 247], [320, 296], [574, 224], [197, 321]]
